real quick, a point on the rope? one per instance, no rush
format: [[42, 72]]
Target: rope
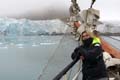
[[49, 60]]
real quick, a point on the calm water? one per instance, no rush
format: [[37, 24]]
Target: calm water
[[26, 58]]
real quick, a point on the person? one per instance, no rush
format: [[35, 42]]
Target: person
[[93, 67]]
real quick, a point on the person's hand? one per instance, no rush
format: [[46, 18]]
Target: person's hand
[[75, 54], [81, 57]]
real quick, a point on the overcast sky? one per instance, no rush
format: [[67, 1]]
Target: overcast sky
[[43, 9]]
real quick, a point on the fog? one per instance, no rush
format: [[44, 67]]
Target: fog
[[50, 9]]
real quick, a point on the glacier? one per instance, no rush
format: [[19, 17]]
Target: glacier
[[22, 32], [22, 27]]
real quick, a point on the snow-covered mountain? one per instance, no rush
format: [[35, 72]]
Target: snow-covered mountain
[[109, 27]]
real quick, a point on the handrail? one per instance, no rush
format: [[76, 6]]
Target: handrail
[[65, 70]]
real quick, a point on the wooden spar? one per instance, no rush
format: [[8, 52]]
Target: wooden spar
[[108, 48]]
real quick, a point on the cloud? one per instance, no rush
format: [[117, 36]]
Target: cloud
[[49, 9]]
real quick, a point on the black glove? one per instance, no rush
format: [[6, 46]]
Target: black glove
[[82, 51], [76, 54]]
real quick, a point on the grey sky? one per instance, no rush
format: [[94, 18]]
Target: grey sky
[[43, 9]]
